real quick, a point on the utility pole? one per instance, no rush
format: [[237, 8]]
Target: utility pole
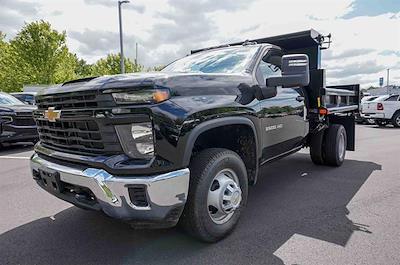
[[121, 44], [387, 81]]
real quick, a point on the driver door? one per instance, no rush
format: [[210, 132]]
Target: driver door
[[282, 117]]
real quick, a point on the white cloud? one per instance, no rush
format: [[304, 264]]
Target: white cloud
[[166, 30]]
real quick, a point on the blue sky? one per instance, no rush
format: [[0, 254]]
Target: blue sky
[[373, 8]]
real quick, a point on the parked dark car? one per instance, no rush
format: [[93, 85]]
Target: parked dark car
[[26, 97], [16, 121]]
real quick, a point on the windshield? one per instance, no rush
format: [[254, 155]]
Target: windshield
[[9, 100], [226, 60]]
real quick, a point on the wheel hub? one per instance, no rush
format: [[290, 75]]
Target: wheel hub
[[230, 197], [224, 196]]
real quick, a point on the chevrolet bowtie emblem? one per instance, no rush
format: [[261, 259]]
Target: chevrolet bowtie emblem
[[52, 115]]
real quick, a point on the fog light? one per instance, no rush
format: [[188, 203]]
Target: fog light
[[141, 130], [145, 148], [136, 139], [142, 133]]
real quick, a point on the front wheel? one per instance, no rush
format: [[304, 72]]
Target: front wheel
[[217, 194]]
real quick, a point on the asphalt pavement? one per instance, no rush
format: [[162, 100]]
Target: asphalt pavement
[[297, 213]]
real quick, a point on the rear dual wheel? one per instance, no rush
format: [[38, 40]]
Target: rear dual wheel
[[328, 147]]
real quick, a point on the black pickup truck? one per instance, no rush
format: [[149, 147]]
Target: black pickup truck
[[185, 143], [16, 121]]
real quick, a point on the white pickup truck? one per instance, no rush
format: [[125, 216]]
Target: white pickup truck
[[384, 110]]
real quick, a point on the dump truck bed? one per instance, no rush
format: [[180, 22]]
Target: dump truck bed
[[342, 98]]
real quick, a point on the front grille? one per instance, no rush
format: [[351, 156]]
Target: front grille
[[25, 119], [77, 131], [80, 137], [75, 100]]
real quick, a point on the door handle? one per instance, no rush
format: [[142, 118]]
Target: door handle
[[300, 98]]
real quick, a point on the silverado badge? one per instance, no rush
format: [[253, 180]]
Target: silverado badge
[[52, 115]]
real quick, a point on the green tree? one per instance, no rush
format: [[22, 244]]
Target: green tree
[[37, 55], [40, 51], [83, 69], [111, 65], [67, 67], [8, 74], [156, 68], [3, 56], [3, 45]]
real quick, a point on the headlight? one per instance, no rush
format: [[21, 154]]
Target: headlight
[[137, 139], [141, 96], [6, 119]]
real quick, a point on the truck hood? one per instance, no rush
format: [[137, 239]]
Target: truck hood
[[179, 83]]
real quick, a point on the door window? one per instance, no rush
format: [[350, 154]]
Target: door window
[[269, 66], [392, 98]]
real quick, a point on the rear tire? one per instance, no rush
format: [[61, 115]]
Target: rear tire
[[316, 151], [335, 145], [396, 119], [208, 187]]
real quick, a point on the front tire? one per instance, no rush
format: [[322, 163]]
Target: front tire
[[217, 194]]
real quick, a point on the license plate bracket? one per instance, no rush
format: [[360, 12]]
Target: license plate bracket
[[51, 180]]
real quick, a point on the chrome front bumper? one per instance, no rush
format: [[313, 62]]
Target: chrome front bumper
[[165, 193]]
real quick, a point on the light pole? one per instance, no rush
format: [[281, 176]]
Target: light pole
[[121, 44], [387, 81]]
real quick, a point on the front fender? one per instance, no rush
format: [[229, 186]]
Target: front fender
[[189, 138]]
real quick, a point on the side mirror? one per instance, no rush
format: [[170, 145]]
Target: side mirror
[[249, 93], [266, 92], [295, 72]]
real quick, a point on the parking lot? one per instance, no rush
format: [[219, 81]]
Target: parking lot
[[298, 213]]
